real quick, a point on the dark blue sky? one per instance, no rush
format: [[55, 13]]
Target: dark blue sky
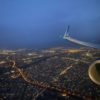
[[41, 23]]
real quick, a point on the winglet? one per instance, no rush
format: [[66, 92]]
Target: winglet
[[66, 32]]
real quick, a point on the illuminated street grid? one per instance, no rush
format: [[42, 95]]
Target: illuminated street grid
[[55, 73]]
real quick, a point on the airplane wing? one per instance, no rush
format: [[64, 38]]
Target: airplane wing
[[67, 37]]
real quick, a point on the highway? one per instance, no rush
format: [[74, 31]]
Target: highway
[[40, 85]]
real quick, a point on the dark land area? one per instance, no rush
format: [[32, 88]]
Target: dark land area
[[48, 74]]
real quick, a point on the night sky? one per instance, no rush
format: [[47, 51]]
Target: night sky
[[42, 23]]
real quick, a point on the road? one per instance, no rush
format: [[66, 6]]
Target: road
[[43, 85]]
